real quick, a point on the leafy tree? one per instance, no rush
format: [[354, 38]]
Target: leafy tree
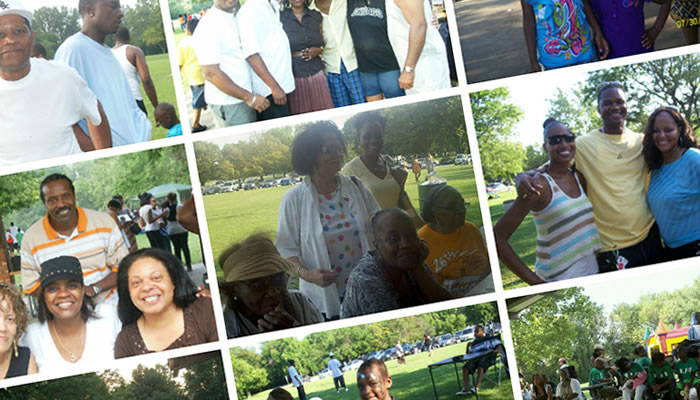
[[146, 26], [495, 119], [535, 156], [580, 116], [565, 323], [53, 25], [205, 380], [154, 384]]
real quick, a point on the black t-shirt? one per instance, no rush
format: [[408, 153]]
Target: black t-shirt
[[367, 23], [302, 35]]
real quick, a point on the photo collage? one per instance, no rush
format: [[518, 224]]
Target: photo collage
[[308, 199]]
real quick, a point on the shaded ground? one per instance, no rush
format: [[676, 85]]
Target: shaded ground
[[493, 44]]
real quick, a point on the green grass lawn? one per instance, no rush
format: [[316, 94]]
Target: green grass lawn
[[412, 381], [256, 210], [159, 66], [522, 240], [192, 243]]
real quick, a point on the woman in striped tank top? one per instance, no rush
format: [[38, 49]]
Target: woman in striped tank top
[[567, 238]]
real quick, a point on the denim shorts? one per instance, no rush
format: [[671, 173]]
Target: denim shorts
[[374, 83], [198, 97]]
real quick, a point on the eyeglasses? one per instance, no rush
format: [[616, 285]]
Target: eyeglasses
[[556, 139], [332, 148], [608, 84]]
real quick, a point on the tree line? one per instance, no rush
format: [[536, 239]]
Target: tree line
[[568, 324], [202, 381], [671, 81], [435, 126], [267, 368], [53, 25]]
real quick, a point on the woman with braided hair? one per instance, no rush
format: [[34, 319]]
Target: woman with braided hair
[[255, 290]]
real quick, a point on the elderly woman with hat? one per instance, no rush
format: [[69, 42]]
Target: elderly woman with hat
[[255, 290], [71, 330]]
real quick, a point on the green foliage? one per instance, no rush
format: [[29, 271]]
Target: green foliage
[[565, 323], [95, 181], [81, 387], [146, 26], [206, 381], [154, 384], [495, 119], [268, 369], [535, 156], [53, 25], [581, 117]]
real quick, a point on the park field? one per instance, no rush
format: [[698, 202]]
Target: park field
[[192, 243], [522, 240], [159, 66], [232, 217], [412, 381]]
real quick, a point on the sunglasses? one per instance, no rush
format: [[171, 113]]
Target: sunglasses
[[556, 139]]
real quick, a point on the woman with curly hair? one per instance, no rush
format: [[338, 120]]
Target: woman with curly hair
[[14, 360], [671, 154]]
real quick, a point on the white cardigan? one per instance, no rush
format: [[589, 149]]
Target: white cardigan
[[300, 234]]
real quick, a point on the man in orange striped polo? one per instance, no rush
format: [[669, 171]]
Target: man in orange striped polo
[[67, 230]]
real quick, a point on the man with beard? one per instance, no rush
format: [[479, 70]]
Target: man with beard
[[85, 51], [67, 230]]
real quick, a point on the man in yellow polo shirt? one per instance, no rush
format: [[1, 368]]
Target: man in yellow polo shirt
[[67, 230], [192, 74], [611, 160]]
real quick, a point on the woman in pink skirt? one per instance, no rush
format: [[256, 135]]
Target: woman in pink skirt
[[303, 27]]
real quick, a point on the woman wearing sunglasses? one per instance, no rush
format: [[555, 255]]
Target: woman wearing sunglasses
[[567, 238]]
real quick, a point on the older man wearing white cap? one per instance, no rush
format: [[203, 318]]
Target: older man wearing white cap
[[41, 101]]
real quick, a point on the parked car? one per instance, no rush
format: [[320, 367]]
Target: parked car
[[445, 340], [389, 354], [352, 365], [494, 188], [268, 183], [248, 185], [465, 334], [461, 159], [286, 182], [227, 187], [374, 354], [325, 373], [447, 160]]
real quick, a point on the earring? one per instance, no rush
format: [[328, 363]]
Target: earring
[[92, 14], [14, 344]]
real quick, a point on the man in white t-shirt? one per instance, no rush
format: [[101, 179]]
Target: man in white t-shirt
[[296, 378], [338, 378], [41, 101], [228, 85], [266, 47], [85, 51]]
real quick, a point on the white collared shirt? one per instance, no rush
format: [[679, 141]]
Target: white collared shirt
[[339, 46], [217, 42], [262, 33]]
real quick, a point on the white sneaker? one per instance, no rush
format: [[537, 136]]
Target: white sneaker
[[346, 388]]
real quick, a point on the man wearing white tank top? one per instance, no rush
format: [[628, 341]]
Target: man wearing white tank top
[[133, 62]]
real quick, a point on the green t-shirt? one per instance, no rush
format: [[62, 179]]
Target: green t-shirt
[[660, 374], [632, 373], [595, 376], [645, 362], [686, 369]]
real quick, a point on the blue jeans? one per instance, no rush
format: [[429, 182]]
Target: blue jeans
[[374, 83]]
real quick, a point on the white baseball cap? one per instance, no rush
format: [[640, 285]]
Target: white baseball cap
[[15, 7]]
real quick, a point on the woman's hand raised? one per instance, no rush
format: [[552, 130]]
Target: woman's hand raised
[[320, 277]]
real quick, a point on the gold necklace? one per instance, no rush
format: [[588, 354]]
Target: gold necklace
[[73, 357], [615, 146]]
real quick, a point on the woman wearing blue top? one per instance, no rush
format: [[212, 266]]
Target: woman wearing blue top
[[671, 154], [560, 33]]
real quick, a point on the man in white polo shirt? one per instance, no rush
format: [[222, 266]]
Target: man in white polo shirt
[[228, 88], [41, 101], [85, 51], [266, 47], [67, 230]]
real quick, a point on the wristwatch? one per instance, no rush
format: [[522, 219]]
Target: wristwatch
[[96, 289], [408, 69]]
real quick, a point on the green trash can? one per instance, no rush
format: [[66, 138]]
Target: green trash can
[[425, 188]]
